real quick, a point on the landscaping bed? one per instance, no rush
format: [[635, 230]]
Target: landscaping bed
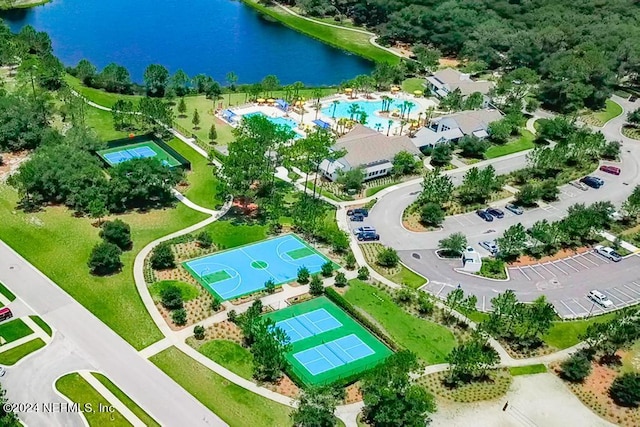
[[496, 385], [399, 274], [631, 132], [601, 117], [493, 269]]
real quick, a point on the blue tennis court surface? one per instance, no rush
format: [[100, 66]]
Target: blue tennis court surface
[[325, 357], [308, 324], [244, 270], [132, 153]]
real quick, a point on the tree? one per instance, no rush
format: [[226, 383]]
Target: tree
[[513, 242], [404, 163], [216, 304], [179, 316], [453, 245], [363, 273], [352, 179], [182, 107], [350, 261], [471, 360], [204, 240], [436, 188], [198, 332], [105, 259], [478, 184], [548, 190], [473, 101], [171, 297], [8, 418], [270, 286], [427, 57], [315, 287], [388, 257], [633, 117], [196, 119], [232, 79], [213, 133], [315, 408], [453, 101], [631, 206], [303, 275], [85, 71], [390, 397], [179, 83], [268, 350], [97, 209], [473, 147], [424, 303], [576, 368], [431, 214], [162, 257], [156, 78], [115, 78], [441, 154], [118, 233], [270, 83], [341, 279], [327, 269], [625, 389], [499, 131], [528, 195]]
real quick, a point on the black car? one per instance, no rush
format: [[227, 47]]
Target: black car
[[592, 182], [356, 218], [484, 215], [368, 236], [360, 211], [495, 212]]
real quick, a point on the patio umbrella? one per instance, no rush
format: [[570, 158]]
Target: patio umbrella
[[260, 100], [271, 100], [394, 88], [417, 92]]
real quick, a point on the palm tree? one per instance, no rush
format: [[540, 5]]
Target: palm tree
[[334, 105], [389, 123], [317, 94], [410, 106], [378, 126], [317, 106], [402, 124], [297, 86], [353, 110], [232, 79]]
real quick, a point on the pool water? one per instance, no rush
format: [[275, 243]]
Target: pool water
[[369, 107], [281, 121]]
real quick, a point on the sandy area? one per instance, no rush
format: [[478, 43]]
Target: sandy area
[[534, 400]]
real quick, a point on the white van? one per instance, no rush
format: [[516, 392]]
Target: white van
[[600, 298]]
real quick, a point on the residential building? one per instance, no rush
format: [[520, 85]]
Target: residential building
[[369, 149], [452, 127], [445, 81]]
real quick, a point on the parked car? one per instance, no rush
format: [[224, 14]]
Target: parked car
[[608, 253], [593, 181], [490, 245], [484, 215], [359, 211], [581, 185], [356, 218], [364, 229], [614, 170], [368, 236], [600, 298], [633, 98], [5, 313], [2, 371], [514, 209], [498, 213]]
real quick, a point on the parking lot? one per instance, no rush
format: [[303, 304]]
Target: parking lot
[[622, 296], [559, 268]]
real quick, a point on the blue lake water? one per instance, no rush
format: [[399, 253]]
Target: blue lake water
[[199, 36]]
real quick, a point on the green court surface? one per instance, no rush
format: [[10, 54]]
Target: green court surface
[[327, 344], [141, 149], [300, 253]]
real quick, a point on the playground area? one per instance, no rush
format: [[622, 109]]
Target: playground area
[[244, 270], [327, 344]]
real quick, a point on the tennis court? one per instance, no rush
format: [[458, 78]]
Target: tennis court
[[327, 345], [139, 150], [244, 270]]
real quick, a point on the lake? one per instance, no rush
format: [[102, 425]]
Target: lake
[[199, 36]]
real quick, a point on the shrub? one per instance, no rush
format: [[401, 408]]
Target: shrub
[[303, 275], [388, 257], [327, 269], [162, 257], [105, 259], [341, 280], [576, 368], [171, 297], [431, 214], [198, 332], [363, 273], [204, 240], [215, 304], [179, 316], [339, 241], [425, 304], [118, 233], [625, 390], [270, 286], [315, 287], [232, 316], [405, 296], [350, 261]]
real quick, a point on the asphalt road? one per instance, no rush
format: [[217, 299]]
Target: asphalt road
[[83, 342]]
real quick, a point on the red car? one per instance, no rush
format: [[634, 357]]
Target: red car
[[610, 169]]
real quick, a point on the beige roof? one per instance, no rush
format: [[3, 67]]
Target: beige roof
[[454, 79], [470, 121], [366, 146]]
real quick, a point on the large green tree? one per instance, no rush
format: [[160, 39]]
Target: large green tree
[[156, 78], [315, 408]]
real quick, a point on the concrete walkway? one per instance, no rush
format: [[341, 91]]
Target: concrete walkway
[[626, 245]]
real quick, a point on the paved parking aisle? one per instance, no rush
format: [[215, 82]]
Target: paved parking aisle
[[559, 268], [621, 296]]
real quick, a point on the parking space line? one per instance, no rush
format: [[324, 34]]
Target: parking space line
[[612, 296], [555, 264], [549, 271], [636, 283], [581, 306], [568, 265], [525, 274], [601, 258], [440, 290], [568, 308], [457, 220], [574, 259], [590, 260], [628, 296], [632, 290], [536, 271]]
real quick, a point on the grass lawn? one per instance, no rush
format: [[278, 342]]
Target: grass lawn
[[44, 237], [430, 341], [231, 355], [202, 188], [351, 41], [122, 397], [6, 292], [98, 96], [12, 356], [43, 325], [525, 142], [187, 290], [235, 405], [528, 370], [229, 234], [565, 334], [102, 122], [601, 117], [477, 316], [399, 274], [374, 190], [78, 390], [13, 330], [412, 84]]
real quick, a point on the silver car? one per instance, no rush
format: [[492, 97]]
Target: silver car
[[608, 252], [490, 246], [581, 185]]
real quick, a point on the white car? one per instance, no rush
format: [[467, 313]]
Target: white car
[[364, 229], [490, 246], [581, 185], [608, 253], [600, 298]]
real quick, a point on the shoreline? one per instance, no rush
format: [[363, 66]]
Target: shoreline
[[23, 4], [343, 38]]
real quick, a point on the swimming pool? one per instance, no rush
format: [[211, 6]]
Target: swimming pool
[[281, 121], [369, 107]]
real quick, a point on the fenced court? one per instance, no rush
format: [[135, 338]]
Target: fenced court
[[116, 155], [244, 270], [327, 344]]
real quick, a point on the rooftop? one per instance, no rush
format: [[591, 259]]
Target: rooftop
[[365, 146]]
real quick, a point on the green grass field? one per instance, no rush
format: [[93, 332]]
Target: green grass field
[[13, 330], [235, 405], [565, 334], [43, 325], [412, 84], [430, 341], [133, 406], [525, 142], [374, 190], [102, 122], [12, 356], [6, 292], [98, 96], [43, 236], [187, 290], [601, 117], [228, 234], [78, 390], [231, 355], [528, 370], [349, 327]]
